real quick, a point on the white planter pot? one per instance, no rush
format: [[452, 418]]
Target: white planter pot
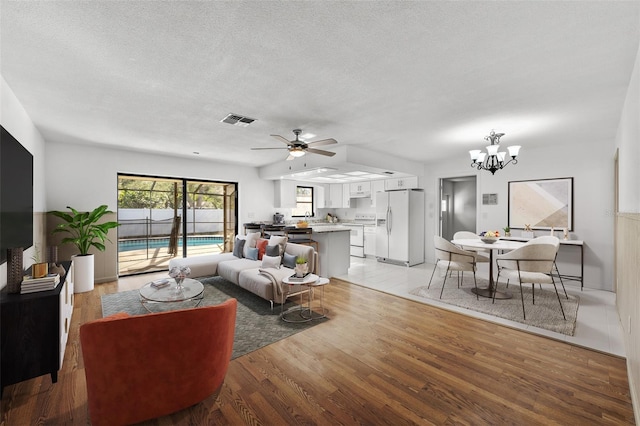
[[83, 273]]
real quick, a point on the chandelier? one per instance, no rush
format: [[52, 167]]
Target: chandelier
[[492, 160]]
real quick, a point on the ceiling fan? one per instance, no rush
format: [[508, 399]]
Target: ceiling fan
[[298, 148]]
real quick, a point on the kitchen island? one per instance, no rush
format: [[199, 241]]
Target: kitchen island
[[333, 249]]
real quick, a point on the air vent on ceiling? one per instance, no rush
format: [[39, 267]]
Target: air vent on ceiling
[[389, 173], [238, 120]]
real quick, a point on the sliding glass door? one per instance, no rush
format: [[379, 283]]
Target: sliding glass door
[[162, 218]]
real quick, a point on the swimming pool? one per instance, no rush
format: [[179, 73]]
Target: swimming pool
[[142, 244]]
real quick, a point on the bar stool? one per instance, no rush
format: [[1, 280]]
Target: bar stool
[[301, 236], [252, 227], [269, 230]]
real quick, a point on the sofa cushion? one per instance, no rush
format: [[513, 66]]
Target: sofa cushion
[[238, 248], [271, 261], [261, 245], [251, 240], [273, 251], [252, 253], [280, 241], [230, 270], [289, 260]]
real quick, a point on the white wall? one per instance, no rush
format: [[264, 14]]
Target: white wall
[[628, 143], [85, 177], [628, 287], [16, 121], [590, 163]]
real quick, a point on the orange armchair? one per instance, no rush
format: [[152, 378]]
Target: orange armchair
[[146, 366]]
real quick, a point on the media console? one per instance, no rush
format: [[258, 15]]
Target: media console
[[33, 331]]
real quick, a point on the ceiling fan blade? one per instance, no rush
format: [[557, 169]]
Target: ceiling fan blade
[[281, 138], [255, 149], [290, 157], [322, 142], [321, 152]]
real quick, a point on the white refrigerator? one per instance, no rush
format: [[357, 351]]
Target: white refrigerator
[[400, 227]]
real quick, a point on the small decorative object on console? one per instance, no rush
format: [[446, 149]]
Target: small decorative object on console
[[527, 233]]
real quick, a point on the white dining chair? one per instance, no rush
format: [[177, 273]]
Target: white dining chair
[[452, 258], [532, 263], [482, 255]]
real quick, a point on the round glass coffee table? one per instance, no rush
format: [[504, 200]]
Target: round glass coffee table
[[169, 297]]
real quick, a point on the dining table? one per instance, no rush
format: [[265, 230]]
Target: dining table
[[499, 244]]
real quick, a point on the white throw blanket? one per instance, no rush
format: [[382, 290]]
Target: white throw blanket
[[277, 286]]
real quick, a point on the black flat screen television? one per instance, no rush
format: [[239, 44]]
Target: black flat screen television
[[16, 195]]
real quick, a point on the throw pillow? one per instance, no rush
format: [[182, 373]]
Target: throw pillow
[[252, 239], [271, 262], [252, 253], [262, 247], [272, 251], [238, 248], [278, 240], [289, 260]]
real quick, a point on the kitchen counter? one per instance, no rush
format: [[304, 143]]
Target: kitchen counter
[[319, 229], [333, 250]]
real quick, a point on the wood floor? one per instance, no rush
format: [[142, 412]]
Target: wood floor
[[381, 359]]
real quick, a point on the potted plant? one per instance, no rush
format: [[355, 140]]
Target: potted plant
[[507, 231], [85, 233], [302, 267]]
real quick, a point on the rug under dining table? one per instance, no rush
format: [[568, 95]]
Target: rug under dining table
[[544, 314]]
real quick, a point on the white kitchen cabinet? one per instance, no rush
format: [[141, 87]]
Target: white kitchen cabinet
[[376, 186], [284, 194], [369, 240], [321, 199], [346, 196], [401, 183], [360, 189], [336, 196]]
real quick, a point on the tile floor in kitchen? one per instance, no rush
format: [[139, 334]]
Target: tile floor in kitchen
[[597, 326]]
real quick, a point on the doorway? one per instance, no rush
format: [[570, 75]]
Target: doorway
[[163, 218], [458, 205]]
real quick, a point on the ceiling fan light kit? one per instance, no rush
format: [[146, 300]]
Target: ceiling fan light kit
[[493, 160], [298, 148]]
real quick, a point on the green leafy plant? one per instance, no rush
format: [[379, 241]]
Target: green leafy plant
[[84, 228], [301, 260], [507, 229]]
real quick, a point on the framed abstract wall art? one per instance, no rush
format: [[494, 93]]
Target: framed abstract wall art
[[541, 204]]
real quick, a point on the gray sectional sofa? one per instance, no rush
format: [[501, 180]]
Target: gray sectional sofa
[[253, 275]]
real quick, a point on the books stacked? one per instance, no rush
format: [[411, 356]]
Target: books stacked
[[160, 283], [294, 278], [32, 285]]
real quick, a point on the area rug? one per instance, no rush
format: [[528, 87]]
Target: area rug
[[544, 314], [256, 324]]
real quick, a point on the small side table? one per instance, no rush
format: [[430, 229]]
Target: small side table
[[322, 312], [302, 313]]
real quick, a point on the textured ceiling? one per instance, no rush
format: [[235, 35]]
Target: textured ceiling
[[423, 80]]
